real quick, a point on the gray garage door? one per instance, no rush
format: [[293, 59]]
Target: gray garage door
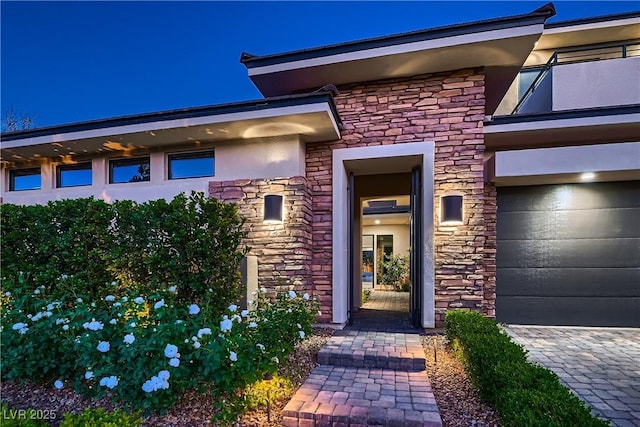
[[569, 254]]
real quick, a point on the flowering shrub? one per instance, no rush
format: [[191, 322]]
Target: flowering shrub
[[145, 350]]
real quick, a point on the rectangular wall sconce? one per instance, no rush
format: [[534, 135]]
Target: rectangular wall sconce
[[273, 209], [451, 210]]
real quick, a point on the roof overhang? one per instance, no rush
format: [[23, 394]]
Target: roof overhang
[[575, 127], [312, 117], [578, 32], [500, 45]]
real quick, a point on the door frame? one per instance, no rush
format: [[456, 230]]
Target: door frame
[[341, 254]]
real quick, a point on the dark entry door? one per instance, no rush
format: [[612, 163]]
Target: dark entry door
[[415, 260], [352, 249]]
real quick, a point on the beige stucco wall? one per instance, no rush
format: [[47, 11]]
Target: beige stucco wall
[[263, 159], [596, 84]]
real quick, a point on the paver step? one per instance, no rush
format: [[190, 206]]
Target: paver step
[[382, 350], [341, 396]]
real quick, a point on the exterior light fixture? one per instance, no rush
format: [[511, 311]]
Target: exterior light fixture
[[377, 221], [587, 176], [451, 210], [273, 209]]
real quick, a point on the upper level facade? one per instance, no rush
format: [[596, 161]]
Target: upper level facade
[[579, 64], [543, 85]]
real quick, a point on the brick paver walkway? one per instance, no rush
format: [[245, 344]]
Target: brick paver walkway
[[601, 365], [371, 373]]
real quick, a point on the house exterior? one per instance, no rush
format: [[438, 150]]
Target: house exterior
[[496, 214]]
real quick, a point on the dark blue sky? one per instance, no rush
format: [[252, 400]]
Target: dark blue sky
[[65, 62]]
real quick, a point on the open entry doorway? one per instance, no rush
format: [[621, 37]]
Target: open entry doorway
[[386, 285], [364, 174]]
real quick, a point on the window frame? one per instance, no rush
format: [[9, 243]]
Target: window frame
[[12, 177], [75, 166], [113, 163], [209, 153]]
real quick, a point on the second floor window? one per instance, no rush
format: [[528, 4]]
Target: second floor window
[[74, 175], [191, 165], [129, 170], [25, 179]]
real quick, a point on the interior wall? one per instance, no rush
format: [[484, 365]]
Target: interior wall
[[401, 240]]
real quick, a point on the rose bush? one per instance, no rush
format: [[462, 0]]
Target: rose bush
[[146, 350]]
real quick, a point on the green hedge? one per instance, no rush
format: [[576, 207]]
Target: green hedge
[[81, 246], [523, 393]]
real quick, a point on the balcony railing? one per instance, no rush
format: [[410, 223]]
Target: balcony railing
[[575, 55]]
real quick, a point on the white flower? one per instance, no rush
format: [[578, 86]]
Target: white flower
[[113, 321], [263, 290], [204, 331], [65, 328], [306, 296], [260, 346], [253, 325], [244, 313], [157, 382], [159, 304], [250, 302], [289, 310], [109, 382], [93, 325], [194, 309], [292, 294], [58, 384], [138, 300], [233, 308], [117, 304], [147, 387], [226, 325], [299, 326], [301, 334], [196, 344], [88, 375], [37, 291], [129, 339], [114, 283], [7, 294], [172, 289], [237, 318], [124, 299], [103, 347], [319, 313], [275, 359], [233, 356], [179, 321], [64, 277], [78, 300], [109, 298], [171, 351], [132, 324], [175, 362]]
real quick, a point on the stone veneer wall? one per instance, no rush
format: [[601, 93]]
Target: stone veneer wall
[[447, 108], [283, 250]]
